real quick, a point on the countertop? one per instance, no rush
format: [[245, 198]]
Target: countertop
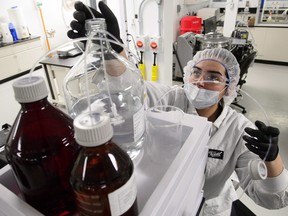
[[61, 62], [19, 41], [262, 25]]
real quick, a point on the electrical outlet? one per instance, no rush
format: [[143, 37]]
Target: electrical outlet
[[141, 42], [155, 44]]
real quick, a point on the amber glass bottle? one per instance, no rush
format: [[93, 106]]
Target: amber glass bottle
[[102, 176], [41, 149]]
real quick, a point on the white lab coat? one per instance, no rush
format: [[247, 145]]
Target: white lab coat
[[227, 132]]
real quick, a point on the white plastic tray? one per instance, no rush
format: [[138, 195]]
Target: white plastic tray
[[162, 190]]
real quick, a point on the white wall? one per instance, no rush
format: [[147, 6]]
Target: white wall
[[58, 18], [170, 23]]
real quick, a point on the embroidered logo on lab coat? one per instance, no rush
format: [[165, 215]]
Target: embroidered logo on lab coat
[[217, 154]]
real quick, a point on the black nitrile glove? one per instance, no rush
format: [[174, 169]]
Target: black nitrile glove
[[259, 140], [82, 13]]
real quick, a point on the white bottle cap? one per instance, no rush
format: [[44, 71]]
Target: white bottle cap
[[92, 129], [257, 169], [30, 89]]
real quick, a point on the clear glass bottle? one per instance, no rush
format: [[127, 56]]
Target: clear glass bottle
[[41, 149], [103, 174], [113, 85]]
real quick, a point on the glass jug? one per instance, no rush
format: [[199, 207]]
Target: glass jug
[[106, 82]]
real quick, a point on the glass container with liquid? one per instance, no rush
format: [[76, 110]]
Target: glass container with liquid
[[41, 149], [103, 174], [113, 85]]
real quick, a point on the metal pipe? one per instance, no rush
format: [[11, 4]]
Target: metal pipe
[[140, 16], [126, 22], [159, 18], [141, 7]]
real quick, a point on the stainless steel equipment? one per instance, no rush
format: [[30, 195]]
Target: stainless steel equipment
[[214, 40], [183, 50], [189, 43]]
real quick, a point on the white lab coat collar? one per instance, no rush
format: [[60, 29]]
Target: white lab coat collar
[[221, 117], [219, 120]]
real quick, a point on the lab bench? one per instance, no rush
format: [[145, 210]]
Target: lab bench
[[163, 189]]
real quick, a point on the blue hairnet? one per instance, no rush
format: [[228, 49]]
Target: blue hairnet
[[225, 58]]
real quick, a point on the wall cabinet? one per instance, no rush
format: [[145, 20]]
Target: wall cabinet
[[271, 43], [19, 57], [275, 16], [270, 12]]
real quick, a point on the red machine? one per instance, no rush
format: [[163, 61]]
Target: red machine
[[191, 24]]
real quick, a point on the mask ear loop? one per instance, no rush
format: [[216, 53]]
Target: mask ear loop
[[175, 87]]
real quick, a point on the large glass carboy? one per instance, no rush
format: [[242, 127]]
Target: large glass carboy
[[107, 82]]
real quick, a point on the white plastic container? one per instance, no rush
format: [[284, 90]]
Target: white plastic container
[[4, 30], [17, 18]]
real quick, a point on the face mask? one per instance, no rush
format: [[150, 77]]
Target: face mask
[[200, 98]]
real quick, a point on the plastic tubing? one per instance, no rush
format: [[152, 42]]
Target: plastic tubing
[[81, 39], [90, 11], [117, 117], [89, 39], [270, 138], [86, 76], [159, 102], [113, 109]]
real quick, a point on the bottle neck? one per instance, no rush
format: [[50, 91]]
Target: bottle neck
[[97, 27], [40, 104]]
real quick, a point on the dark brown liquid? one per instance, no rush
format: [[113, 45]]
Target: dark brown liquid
[[41, 150], [97, 172]]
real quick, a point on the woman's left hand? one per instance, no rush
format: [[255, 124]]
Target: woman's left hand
[[259, 141]]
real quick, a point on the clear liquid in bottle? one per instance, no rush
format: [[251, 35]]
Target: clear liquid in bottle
[[113, 85]]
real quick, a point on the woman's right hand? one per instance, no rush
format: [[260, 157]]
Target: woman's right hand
[[82, 14]]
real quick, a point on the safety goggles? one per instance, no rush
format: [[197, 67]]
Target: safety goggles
[[209, 77]]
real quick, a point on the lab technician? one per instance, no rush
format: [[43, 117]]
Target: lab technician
[[210, 81]]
